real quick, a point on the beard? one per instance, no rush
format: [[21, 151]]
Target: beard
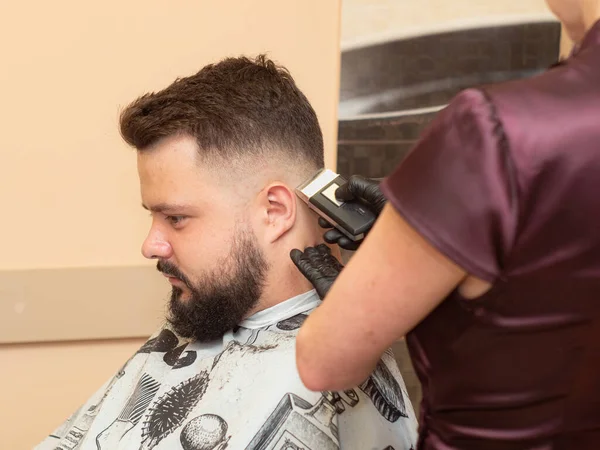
[[222, 298]]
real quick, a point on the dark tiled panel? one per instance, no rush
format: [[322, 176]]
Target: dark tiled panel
[[429, 70], [371, 160], [401, 128], [373, 148]]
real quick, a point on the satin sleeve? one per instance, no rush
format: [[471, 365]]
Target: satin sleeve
[[457, 187]]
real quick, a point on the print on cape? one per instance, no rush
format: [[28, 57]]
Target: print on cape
[[385, 393], [131, 414], [172, 409], [297, 424]]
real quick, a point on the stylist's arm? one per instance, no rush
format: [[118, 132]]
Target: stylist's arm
[[450, 215], [394, 280]]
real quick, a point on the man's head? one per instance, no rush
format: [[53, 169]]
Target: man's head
[[219, 154]]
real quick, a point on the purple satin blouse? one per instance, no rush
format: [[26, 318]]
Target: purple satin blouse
[[506, 183]]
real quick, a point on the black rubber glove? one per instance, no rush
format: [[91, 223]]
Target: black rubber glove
[[318, 266], [364, 190]]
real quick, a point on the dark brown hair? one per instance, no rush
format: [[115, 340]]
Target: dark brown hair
[[236, 107]]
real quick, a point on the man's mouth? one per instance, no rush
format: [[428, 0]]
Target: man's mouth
[[173, 280]]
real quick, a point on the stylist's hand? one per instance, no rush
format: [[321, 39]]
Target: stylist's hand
[[318, 266], [361, 189]]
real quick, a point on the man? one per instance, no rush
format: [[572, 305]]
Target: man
[[219, 155]]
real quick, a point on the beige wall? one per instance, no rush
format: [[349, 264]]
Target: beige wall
[[69, 185], [71, 223], [369, 21], [42, 384]]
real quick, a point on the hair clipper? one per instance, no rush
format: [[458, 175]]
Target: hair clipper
[[350, 218]]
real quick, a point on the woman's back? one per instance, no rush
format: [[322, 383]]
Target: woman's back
[[507, 184]]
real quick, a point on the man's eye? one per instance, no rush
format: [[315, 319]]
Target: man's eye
[[175, 220]]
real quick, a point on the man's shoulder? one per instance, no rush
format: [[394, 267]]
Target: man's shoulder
[[249, 391]]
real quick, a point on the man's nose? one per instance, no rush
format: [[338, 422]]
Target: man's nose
[[155, 246]]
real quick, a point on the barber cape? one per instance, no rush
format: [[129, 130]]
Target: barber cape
[[241, 392]]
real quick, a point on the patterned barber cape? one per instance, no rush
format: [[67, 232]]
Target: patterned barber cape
[[241, 392]]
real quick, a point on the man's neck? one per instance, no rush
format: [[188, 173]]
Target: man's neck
[[284, 280], [283, 283]]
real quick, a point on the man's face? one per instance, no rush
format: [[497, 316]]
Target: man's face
[[202, 239]]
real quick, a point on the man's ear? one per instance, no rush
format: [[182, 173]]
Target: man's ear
[[279, 202]]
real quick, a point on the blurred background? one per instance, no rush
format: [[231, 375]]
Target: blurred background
[[76, 296]]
